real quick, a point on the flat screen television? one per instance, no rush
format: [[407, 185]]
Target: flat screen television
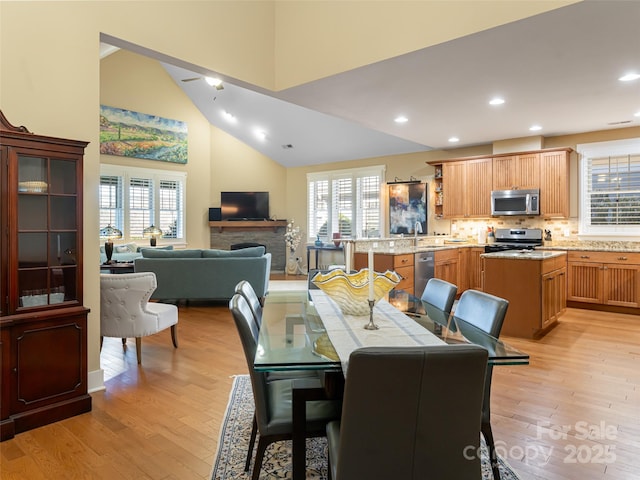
[[244, 205]]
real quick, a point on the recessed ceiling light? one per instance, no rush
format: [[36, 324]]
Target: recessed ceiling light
[[496, 101], [535, 128], [401, 119], [637, 114], [214, 82], [230, 118], [629, 77], [454, 139], [261, 134]]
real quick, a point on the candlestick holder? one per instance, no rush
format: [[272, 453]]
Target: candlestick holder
[[371, 325]]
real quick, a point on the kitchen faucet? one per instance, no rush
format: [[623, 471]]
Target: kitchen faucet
[[417, 229]]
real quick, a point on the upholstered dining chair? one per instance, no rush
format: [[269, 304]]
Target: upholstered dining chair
[[486, 312], [429, 427], [440, 293], [125, 310], [273, 399], [245, 289]]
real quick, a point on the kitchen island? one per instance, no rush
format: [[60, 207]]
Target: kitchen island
[[535, 284]]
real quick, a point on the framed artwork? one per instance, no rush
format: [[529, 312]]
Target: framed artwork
[[407, 206], [133, 134]]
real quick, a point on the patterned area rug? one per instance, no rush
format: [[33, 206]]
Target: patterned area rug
[[234, 440]]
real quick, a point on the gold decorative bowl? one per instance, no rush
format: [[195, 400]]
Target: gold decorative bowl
[[351, 290]]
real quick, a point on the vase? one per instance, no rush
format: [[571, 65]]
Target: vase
[[336, 239], [292, 264]]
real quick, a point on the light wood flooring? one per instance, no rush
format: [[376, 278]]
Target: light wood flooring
[[573, 413]]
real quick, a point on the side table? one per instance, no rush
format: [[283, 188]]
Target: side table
[[122, 267]]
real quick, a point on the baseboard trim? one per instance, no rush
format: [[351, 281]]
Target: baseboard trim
[[95, 381]]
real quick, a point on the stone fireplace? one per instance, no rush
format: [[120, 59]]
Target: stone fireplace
[[270, 233]]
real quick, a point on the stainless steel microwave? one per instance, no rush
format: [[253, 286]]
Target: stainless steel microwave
[[515, 202]]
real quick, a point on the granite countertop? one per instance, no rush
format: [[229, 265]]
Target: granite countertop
[[525, 254], [403, 246]]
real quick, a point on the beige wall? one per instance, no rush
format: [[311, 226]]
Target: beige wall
[[320, 38], [137, 83], [237, 167]]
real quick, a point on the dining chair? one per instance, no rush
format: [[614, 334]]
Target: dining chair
[[125, 310], [440, 293], [245, 289], [486, 312], [409, 434], [273, 399]]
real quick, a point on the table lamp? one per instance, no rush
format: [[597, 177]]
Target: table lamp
[[109, 233], [152, 233]]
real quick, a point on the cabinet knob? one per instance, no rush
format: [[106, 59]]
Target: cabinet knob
[[622, 258], [15, 370], [584, 256]]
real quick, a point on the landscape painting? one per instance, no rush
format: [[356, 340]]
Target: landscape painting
[[133, 134]]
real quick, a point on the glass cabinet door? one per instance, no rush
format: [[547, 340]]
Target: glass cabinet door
[[47, 236]]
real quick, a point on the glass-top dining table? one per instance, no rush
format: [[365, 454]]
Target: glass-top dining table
[[299, 330]]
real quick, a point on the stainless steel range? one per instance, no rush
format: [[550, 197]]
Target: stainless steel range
[[515, 239]]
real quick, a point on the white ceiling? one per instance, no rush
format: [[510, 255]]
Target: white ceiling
[[559, 70]]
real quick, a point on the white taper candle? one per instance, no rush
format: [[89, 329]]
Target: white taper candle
[[371, 295]]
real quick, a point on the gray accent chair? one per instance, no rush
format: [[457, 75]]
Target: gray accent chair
[[273, 399], [410, 413], [485, 312]]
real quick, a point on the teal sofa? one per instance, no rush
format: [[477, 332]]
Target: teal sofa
[[206, 274]]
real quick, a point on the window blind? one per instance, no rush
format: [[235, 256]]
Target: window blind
[[110, 201], [140, 206], [345, 201], [614, 190]]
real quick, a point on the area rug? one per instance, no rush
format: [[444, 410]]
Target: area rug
[[234, 440]]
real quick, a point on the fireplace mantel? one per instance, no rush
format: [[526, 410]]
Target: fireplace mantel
[[247, 225]]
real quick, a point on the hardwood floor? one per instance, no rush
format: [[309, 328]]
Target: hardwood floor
[[161, 420]]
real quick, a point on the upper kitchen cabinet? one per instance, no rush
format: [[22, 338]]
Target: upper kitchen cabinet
[[43, 324], [516, 172], [466, 187], [554, 183]]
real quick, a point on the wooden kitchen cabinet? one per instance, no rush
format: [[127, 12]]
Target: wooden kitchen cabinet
[[466, 188], [516, 172], [447, 265], [604, 278], [465, 184], [475, 267], [535, 289], [554, 184], [43, 324], [554, 296], [402, 264]]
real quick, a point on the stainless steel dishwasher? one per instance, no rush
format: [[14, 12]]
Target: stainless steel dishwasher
[[424, 264]]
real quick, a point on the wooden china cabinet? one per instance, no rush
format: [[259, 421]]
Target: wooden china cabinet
[[43, 324]]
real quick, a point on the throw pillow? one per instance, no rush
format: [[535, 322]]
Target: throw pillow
[[126, 248], [242, 252]]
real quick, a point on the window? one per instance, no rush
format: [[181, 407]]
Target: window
[[132, 199], [610, 188], [345, 201]]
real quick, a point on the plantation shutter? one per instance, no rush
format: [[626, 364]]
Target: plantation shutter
[[345, 201], [140, 206], [318, 203], [613, 185], [170, 205], [111, 201]]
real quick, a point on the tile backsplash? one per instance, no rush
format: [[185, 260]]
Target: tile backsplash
[[561, 229]]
